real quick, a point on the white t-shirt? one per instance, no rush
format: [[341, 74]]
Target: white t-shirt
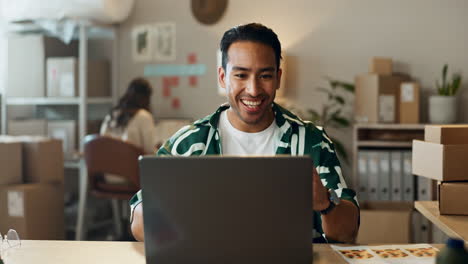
[[236, 142]]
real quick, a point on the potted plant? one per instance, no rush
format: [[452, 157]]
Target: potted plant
[[332, 114], [443, 107]]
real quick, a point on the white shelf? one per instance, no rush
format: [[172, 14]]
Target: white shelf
[[95, 31], [72, 164], [56, 100], [390, 126], [386, 144]]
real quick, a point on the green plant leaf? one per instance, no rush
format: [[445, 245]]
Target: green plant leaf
[[339, 147], [340, 84], [339, 99], [325, 90], [444, 75], [314, 115], [456, 83], [341, 121], [333, 84]]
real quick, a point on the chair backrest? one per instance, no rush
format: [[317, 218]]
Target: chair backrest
[[107, 155]]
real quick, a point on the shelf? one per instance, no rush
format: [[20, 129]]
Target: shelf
[[56, 100], [386, 144], [391, 126], [451, 225], [95, 30], [72, 164]]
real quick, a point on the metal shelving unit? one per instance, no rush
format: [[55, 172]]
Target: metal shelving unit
[[86, 31]]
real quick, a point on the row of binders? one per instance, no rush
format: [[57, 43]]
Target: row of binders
[[386, 175]]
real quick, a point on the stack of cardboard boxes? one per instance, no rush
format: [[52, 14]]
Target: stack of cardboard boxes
[[443, 156], [386, 97], [31, 187]]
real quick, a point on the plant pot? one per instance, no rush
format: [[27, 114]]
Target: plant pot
[[442, 109]]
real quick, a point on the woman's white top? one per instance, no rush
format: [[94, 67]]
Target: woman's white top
[[139, 131]]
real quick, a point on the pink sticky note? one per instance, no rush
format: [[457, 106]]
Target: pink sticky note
[[193, 80], [166, 91], [175, 81], [192, 58], [166, 81], [176, 103]]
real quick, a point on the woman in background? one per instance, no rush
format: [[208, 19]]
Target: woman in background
[[131, 120]]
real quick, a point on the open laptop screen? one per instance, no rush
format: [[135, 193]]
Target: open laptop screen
[[218, 209]]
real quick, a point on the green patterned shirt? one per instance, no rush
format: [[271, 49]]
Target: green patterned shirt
[[297, 137]]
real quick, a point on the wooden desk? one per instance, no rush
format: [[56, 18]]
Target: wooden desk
[[79, 252], [105, 252], [452, 225]]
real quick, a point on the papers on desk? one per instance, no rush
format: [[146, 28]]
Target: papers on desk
[[388, 254]]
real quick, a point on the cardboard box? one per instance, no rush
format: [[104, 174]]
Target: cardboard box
[[452, 198], [440, 162], [377, 98], [63, 75], [42, 160], [381, 65], [27, 127], [446, 134], [385, 222], [26, 62], [35, 211], [64, 130], [10, 161], [409, 103]]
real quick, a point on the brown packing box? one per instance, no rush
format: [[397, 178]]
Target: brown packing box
[[440, 162], [446, 134], [377, 98], [62, 77], [385, 222], [409, 103], [452, 198], [381, 65], [27, 59], [35, 211], [29, 127], [42, 160], [10, 161]]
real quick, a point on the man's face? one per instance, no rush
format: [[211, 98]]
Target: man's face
[[250, 79]]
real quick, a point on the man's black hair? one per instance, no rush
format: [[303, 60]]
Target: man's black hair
[[254, 32]]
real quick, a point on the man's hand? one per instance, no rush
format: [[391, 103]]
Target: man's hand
[[137, 223], [320, 194], [341, 223]]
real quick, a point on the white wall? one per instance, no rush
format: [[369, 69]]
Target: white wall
[[3, 60], [321, 38]]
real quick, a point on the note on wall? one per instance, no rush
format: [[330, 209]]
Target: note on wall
[[165, 41], [142, 43]]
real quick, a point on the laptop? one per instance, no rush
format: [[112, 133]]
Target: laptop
[[221, 209]]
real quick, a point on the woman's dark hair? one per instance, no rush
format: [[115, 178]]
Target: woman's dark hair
[[254, 32], [135, 98]]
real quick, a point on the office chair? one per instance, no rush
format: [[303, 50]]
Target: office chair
[[107, 155]]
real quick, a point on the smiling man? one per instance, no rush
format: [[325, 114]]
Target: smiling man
[[252, 124]]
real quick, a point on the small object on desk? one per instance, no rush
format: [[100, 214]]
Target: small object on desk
[[453, 253], [395, 254]]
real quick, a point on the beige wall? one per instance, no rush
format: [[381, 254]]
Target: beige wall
[[321, 38]]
